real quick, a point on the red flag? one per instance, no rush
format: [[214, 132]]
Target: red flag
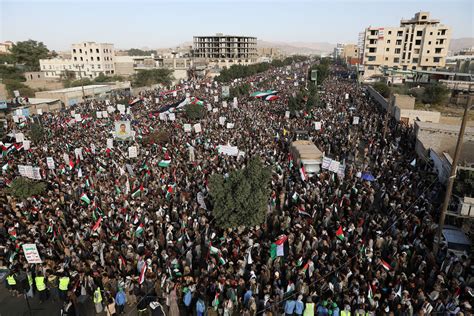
[[141, 279], [97, 224]]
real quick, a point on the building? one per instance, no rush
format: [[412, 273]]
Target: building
[[420, 43], [130, 65], [350, 54], [88, 60], [438, 143], [270, 52], [5, 47], [226, 50], [338, 51]]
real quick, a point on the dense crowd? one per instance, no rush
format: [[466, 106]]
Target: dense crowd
[[160, 250]]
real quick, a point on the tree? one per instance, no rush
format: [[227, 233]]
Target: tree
[[23, 188], [68, 75], [241, 198], [12, 85], [152, 76], [382, 88], [36, 133], [158, 137], [323, 70], [195, 111], [435, 94], [29, 53], [139, 52]]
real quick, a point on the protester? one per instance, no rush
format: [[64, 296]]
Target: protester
[[140, 230]]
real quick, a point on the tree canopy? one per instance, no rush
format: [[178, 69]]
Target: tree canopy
[[195, 111], [435, 94], [152, 76], [382, 88], [29, 53], [140, 52], [241, 198], [23, 188]]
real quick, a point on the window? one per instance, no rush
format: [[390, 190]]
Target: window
[[49, 66], [371, 67], [389, 32], [429, 43], [388, 41], [74, 50], [416, 51], [423, 17], [427, 51], [85, 44], [97, 50], [404, 67], [80, 51], [398, 42], [47, 73], [98, 66], [75, 58], [397, 50], [386, 58], [400, 33], [436, 59], [82, 59], [415, 60], [426, 59], [44, 67], [438, 50], [443, 32], [396, 60], [441, 41], [371, 58], [98, 58], [431, 33], [372, 50], [418, 42], [92, 58], [92, 66], [387, 49], [419, 33], [373, 32]]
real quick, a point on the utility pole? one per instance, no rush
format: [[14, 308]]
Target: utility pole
[[452, 175]]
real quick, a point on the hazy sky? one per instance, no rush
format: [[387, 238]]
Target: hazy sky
[[154, 24]]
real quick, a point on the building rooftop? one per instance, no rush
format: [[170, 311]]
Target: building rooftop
[[74, 89], [444, 127]]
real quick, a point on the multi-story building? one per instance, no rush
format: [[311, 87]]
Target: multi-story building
[[88, 60], [5, 47], [419, 43], [226, 50], [350, 54], [338, 51]]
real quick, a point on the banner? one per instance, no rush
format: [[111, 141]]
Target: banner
[[187, 128], [36, 173], [123, 130], [355, 120], [132, 152], [172, 117], [31, 253], [19, 137], [317, 126], [50, 163], [197, 128], [228, 150]]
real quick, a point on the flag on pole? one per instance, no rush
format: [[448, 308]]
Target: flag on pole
[[277, 248], [213, 250], [97, 224], [340, 233], [138, 192], [164, 163], [141, 279], [304, 176], [370, 295], [385, 265], [85, 199], [169, 192]]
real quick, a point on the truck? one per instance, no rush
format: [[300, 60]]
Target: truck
[[305, 152]]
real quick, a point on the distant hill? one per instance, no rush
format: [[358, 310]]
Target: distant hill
[[458, 44]]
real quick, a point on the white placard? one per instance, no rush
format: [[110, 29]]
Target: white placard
[[317, 126], [132, 152], [187, 128], [73, 113], [216, 98], [39, 111], [31, 253], [172, 117], [347, 96], [105, 114], [175, 93], [121, 107], [22, 170], [197, 128], [50, 163], [326, 163], [15, 119], [107, 102], [224, 104], [222, 120], [110, 143], [78, 118], [283, 82], [98, 114], [355, 120], [78, 153], [296, 84], [29, 172], [287, 114], [110, 109], [230, 125], [26, 144], [209, 107], [16, 93], [228, 150], [19, 137], [235, 102], [163, 117], [334, 166], [157, 100], [215, 110], [36, 173], [66, 158]]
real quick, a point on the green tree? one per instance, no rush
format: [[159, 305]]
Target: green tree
[[29, 53], [323, 70], [195, 111], [157, 137], [139, 52], [435, 94], [103, 78], [23, 188], [36, 133], [12, 85], [152, 76], [241, 198], [382, 88]]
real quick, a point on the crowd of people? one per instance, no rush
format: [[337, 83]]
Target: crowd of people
[[129, 234]]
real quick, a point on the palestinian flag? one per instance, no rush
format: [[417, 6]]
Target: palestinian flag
[[12, 233], [222, 261], [303, 213], [307, 115], [141, 278], [97, 224], [71, 163], [385, 265], [370, 295], [164, 163], [139, 230], [138, 192], [303, 174], [5, 167], [272, 98], [169, 192], [85, 199], [305, 267], [340, 233], [18, 146], [196, 101], [277, 248], [290, 161], [213, 250]]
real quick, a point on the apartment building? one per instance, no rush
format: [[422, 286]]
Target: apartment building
[[420, 43], [5, 47], [226, 50], [88, 60], [350, 54], [338, 50]]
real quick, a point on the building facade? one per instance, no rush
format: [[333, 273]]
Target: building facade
[[5, 47], [420, 43], [88, 60], [226, 50], [338, 51]]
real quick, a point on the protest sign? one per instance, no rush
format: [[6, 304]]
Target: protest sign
[[110, 109], [225, 91], [123, 130], [163, 116], [355, 120], [22, 170], [31, 253], [287, 114], [26, 144], [230, 125], [78, 118], [222, 120], [98, 114], [29, 172], [334, 166], [347, 96], [216, 98], [228, 150], [224, 104], [36, 173], [78, 153], [105, 114], [317, 126], [235, 102], [121, 108], [50, 163], [66, 158], [110, 143], [326, 163], [132, 152], [107, 102], [209, 107], [187, 128], [15, 119], [172, 117], [197, 128], [19, 137], [73, 113], [215, 110]]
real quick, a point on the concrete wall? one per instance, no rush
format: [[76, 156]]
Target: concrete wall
[[378, 97], [413, 115]]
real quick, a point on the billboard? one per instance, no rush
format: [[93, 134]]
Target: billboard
[[123, 130]]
